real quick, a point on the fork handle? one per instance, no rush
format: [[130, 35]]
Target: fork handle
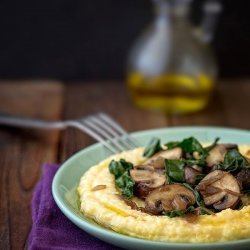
[[16, 121]]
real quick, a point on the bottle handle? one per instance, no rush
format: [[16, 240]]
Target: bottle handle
[[212, 9]]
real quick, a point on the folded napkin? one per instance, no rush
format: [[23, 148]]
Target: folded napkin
[[51, 229]]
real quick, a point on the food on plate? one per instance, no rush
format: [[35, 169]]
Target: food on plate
[[180, 191]]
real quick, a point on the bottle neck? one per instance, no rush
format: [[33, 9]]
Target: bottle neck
[[177, 10]]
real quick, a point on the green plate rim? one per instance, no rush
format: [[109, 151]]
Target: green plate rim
[[94, 229]]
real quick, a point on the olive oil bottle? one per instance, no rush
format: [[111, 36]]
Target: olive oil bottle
[[170, 93], [171, 67]]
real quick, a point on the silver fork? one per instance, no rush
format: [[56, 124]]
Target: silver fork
[[100, 126]]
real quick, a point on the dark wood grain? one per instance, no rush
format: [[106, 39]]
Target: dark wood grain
[[22, 154], [112, 98], [229, 107]]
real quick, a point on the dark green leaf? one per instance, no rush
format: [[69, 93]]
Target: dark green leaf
[[233, 161], [120, 169], [126, 184], [198, 178], [116, 168], [175, 170], [126, 165], [172, 144], [198, 198], [153, 147], [176, 213], [191, 145], [208, 148], [190, 162]]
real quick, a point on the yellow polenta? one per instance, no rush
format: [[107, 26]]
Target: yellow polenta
[[109, 210]]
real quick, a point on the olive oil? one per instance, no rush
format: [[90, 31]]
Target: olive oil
[[170, 93], [171, 67]]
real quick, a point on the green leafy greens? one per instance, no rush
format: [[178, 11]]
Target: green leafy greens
[[191, 145], [194, 155], [120, 169], [172, 144], [198, 198], [199, 177], [153, 147], [199, 201], [208, 148], [176, 213], [174, 170], [233, 161]]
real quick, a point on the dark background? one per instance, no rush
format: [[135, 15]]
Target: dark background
[[90, 39]]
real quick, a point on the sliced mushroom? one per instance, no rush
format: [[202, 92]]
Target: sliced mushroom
[[150, 168], [243, 177], [133, 205], [157, 161], [144, 167], [213, 177], [142, 190], [220, 189], [197, 168], [169, 198], [190, 174], [216, 154], [146, 181], [151, 178]]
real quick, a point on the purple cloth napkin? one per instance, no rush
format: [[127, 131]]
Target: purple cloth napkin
[[51, 229]]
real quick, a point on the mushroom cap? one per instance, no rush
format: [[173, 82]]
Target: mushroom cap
[[168, 198], [147, 178], [158, 160], [220, 189], [151, 179]]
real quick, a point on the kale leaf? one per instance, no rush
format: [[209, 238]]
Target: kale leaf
[[174, 170], [233, 161], [208, 148], [190, 145], [172, 144], [198, 198], [176, 213], [120, 169], [199, 177], [153, 147]]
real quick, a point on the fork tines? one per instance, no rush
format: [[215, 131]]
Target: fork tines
[[107, 131]]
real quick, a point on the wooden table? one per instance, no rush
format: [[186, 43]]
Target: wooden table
[[22, 151]]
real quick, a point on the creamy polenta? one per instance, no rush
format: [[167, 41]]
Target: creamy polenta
[[101, 201]]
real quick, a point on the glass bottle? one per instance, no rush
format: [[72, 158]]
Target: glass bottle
[[171, 67]]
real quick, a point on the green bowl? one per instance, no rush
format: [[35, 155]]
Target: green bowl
[[68, 176]]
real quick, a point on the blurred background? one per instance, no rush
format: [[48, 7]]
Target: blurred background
[[90, 39]]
